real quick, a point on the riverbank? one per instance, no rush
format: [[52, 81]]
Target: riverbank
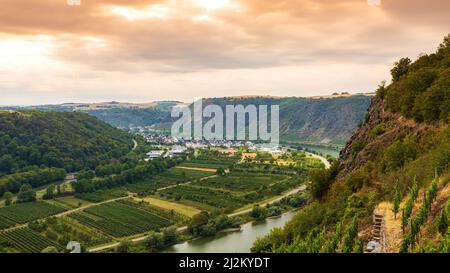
[[239, 241]]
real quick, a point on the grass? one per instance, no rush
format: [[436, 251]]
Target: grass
[[182, 209]]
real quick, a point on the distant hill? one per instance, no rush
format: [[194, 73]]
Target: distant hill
[[69, 140], [326, 120]]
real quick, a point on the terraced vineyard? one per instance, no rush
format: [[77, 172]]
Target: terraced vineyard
[[120, 219], [26, 212], [27, 240]]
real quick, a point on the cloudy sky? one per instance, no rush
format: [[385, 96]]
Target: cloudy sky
[[145, 50]]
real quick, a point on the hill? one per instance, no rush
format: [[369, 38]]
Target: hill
[[69, 140], [328, 120], [314, 121], [391, 183]]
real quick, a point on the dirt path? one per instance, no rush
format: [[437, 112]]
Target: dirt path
[[196, 169]]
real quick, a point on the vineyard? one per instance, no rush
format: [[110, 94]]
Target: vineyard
[[26, 212], [168, 178], [102, 195], [211, 161], [411, 237], [241, 182], [167, 214], [120, 219], [27, 240], [198, 196]]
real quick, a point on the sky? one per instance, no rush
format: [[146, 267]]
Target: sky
[[55, 51]]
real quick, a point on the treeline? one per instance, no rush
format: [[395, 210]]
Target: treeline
[[36, 178], [72, 141], [420, 89], [128, 176]]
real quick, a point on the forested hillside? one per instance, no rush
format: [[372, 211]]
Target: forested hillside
[[71, 141], [395, 167], [311, 121]]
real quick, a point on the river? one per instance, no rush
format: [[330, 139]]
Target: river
[[232, 242]]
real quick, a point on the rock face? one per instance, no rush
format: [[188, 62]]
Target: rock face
[[394, 127]]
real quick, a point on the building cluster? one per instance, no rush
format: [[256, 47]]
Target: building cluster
[[171, 152]]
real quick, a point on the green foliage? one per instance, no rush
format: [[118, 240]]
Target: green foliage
[[377, 130], [321, 180], [400, 69], [442, 223], [26, 212], [8, 198], [348, 240], [396, 202], [358, 146], [35, 178], [27, 240], [259, 213], [420, 89], [399, 153], [421, 215], [26, 194], [72, 141], [115, 218]]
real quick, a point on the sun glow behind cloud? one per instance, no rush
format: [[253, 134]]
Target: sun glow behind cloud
[[215, 4], [149, 12]]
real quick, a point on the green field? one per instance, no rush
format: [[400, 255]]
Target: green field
[[72, 201], [26, 212], [168, 178], [120, 220], [230, 192], [102, 195], [179, 208], [205, 164], [242, 182], [27, 240], [204, 196]]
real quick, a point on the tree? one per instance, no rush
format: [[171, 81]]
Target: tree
[[400, 68], [397, 200], [50, 192], [169, 235], [321, 180], [154, 241], [8, 198], [258, 213], [26, 194]]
